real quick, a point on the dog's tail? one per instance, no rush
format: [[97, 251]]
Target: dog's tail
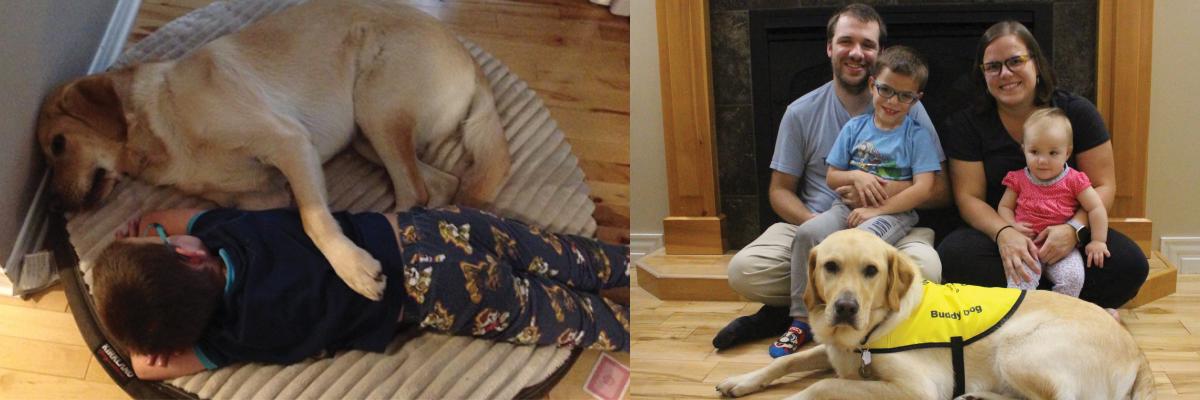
[[484, 139], [1143, 385]]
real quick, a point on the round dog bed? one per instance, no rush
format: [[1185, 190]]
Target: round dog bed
[[545, 188]]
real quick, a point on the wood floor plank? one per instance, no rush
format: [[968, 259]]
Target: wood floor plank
[[51, 299], [40, 357], [37, 324], [24, 385]]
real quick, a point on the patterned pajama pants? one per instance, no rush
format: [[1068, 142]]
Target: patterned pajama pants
[[468, 272]]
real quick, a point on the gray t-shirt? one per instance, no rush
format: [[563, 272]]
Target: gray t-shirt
[[806, 134]]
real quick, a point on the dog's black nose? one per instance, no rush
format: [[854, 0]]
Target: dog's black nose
[[845, 308]]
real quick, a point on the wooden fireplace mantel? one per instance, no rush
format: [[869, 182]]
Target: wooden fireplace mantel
[[1124, 45]]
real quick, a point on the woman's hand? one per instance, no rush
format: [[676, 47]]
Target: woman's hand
[[1057, 241], [1017, 252], [860, 215], [1024, 229]]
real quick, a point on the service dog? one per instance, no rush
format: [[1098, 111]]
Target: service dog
[[249, 114], [860, 289]]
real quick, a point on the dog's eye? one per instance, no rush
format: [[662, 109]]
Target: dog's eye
[[870, 271], [58, 144], [831, 267]]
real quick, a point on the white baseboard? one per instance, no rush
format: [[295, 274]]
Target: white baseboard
[[641, 244], [1183, 251]]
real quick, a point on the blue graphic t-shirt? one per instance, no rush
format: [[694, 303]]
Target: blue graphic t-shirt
[[896, 154]]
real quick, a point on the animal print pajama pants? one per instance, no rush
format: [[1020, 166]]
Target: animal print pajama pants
[[468, 272]]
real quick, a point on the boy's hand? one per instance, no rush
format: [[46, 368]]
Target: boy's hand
[[1096, 252], [860, 215], [869, 188], [131, 228], [159, 360]]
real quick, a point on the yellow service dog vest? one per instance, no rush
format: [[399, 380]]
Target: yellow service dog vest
[[950, 315]]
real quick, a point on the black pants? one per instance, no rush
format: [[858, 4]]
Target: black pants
[[970, 257]]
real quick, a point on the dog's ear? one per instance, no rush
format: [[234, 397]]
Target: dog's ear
[[901, 272], [812, 292], [94, 100]]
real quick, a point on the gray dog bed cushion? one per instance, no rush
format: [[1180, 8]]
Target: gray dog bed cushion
[[545, 188]]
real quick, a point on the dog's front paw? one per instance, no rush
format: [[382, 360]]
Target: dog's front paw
[[361, 272], [741, 385]]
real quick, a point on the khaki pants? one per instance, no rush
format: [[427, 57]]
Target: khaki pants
[[762, 270]]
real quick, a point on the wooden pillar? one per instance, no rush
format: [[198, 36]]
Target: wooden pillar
[[694, 224], [1123, 95]]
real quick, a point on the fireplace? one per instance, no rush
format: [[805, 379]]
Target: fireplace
[[764, 58]]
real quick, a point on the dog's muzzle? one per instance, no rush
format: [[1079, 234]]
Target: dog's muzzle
[[845, 309]]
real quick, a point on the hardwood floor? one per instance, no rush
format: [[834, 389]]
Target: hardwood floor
[[673, 356]]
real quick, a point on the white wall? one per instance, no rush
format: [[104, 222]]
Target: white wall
[[648, 183], [1173, 190], [44, 42]]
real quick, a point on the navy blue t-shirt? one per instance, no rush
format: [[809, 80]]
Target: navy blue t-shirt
[[283, 302]]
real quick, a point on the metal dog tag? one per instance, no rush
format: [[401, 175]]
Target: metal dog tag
[[865, 371]]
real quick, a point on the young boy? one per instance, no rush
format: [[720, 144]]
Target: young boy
[[224, 286], [885, 144]]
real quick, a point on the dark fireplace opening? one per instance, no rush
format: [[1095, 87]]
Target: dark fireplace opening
[[787, 52]]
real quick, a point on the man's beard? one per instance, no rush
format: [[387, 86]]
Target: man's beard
[[852, 88]]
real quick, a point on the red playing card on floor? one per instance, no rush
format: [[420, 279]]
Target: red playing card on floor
[[608, 380]]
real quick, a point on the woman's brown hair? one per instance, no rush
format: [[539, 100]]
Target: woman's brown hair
[[1046, 82]]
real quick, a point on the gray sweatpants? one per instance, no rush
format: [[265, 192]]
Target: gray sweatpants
[[889, 227], [1067, 275]]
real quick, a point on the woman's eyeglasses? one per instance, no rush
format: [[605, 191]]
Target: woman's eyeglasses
[[887, 92], [993, 68]]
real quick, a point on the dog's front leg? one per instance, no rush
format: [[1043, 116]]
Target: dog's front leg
[[299, 162], [807, 360]]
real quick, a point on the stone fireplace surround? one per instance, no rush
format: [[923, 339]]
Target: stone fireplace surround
[[745, 133]]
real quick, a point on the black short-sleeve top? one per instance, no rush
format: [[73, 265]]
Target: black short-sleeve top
[[283, 302], [974, 135]]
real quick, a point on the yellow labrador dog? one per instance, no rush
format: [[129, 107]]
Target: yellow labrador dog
[[245, 116], [1051, 347]]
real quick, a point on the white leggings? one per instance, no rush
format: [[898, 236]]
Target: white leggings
[[1067, 275]]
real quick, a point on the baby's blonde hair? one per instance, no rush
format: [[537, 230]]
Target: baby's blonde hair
[[1051, 118]]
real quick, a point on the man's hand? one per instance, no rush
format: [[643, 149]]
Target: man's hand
[[860, 215]]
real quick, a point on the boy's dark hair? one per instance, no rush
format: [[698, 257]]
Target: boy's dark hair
[[149, 300], [1046, 82], [861, 12], [902, 60]]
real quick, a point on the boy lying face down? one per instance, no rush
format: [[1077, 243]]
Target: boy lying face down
[[188, 290]]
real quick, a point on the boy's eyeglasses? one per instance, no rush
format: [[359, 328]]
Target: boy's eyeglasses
[[887, 92], [162, 233], [993, 68]]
